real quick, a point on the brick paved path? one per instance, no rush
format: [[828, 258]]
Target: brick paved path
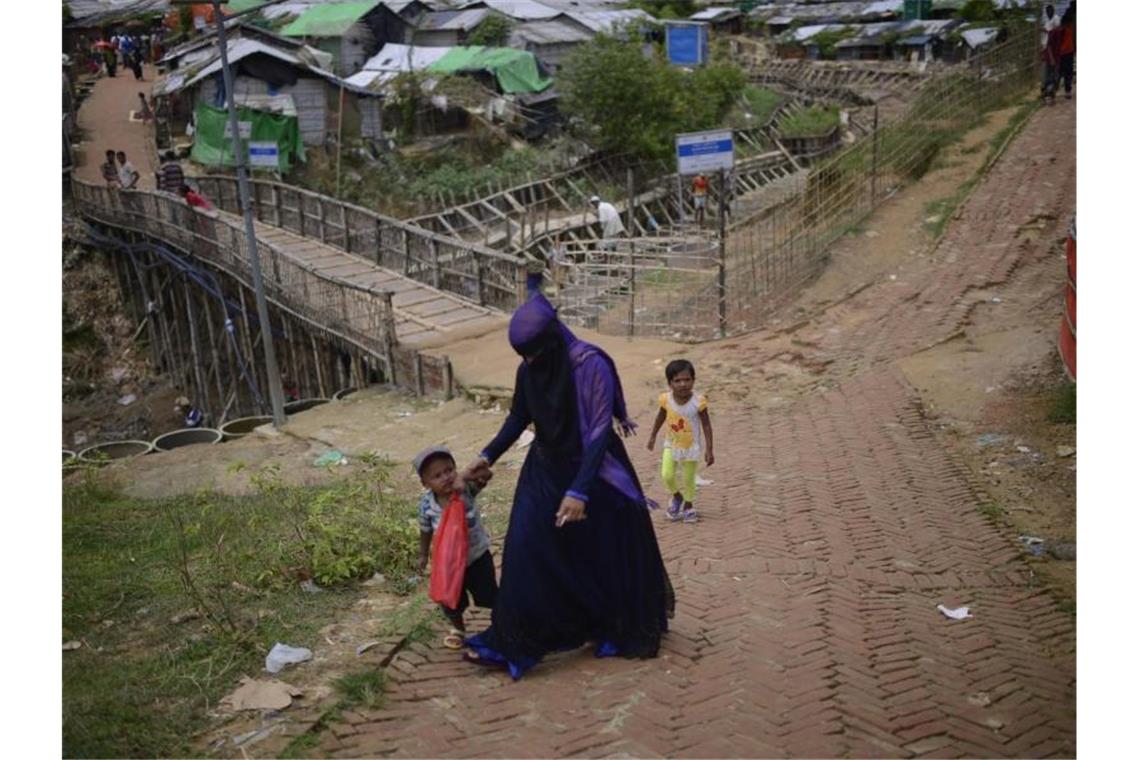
[[806, 621]]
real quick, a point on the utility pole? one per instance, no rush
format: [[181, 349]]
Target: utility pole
[[273, 374], [722, 261]]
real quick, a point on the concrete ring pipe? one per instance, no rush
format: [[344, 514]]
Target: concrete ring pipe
[[186, 437], [101, 453], [243, 426]]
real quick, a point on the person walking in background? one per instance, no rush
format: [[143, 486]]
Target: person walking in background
[[145, 113], [1050, 54], [110, 61], [609, 218], [1049, 22], [700, 197], [1052, 57], [169, 178], [1068, 47]]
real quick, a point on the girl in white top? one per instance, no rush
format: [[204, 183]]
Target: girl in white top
[[688, 435]]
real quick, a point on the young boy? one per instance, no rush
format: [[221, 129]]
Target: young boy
[[689, 433], [436, 468]]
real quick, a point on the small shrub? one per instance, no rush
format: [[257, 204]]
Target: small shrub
[[1064, 407], [991, 510], [810, 122], [364, 688]]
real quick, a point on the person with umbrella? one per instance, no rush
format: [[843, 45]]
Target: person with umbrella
[[107, 50]]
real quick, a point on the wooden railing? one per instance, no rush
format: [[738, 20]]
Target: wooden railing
[[480, 274], [359, 315]]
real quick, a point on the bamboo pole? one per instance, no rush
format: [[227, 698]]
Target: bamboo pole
[[195, 352]]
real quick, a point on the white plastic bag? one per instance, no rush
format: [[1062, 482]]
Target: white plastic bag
[[283, 654]]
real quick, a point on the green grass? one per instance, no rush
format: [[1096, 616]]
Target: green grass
[[762, 103], [810, 122], [141, 684], [1063, 409], [992, 510], [364, 688], [1027, 109], [944, 207]]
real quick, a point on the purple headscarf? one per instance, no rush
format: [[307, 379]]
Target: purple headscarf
[[532, 319]]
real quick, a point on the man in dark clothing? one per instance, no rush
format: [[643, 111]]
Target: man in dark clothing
[[170, 177], [1068, 47], [111, 170]]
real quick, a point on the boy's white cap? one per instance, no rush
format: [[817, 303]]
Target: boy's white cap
[[431, 451], [595, 199]]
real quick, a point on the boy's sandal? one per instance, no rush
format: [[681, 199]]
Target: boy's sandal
[[453, 639]]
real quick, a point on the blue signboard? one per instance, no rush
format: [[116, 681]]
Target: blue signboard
[[686, 43], [699, 152]]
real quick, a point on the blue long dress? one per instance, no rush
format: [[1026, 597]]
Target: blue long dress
[[601, 579]]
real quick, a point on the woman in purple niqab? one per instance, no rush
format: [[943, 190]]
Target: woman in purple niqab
[[580, 560]]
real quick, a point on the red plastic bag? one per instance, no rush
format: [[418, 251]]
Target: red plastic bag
[[449, 554]]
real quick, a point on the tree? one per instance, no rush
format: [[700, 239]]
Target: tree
[[493, 31], [977, 10], [634, 103]]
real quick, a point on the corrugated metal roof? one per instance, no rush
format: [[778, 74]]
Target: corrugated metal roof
[[461, 21], [396, 57], [236, 27], [520, 10], [716, 14], [827, 11], [807, 32], [329, 19], [869, 34], [96, 12], [236, 50], [607, 21], [929, 26], [285, 9], [548, 33], [976, 37], [393, 60]]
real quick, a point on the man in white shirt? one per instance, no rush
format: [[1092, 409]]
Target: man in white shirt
[[609, 218], [1049, 22], [128, 176]]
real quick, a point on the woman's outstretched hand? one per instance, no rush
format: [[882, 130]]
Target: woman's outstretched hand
[[571, 510]]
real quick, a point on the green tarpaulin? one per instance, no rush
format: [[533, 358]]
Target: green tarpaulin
[[237, 6], [213, 148], [515, 70], [328, 19]]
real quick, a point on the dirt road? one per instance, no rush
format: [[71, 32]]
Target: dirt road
[[836, 523]]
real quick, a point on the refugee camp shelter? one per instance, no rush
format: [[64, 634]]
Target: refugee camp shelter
[[350, 31], [281, 85], [550, 41], [448, 28], [721, 20]]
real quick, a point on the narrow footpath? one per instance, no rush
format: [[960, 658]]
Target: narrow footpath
[[105, 124]]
